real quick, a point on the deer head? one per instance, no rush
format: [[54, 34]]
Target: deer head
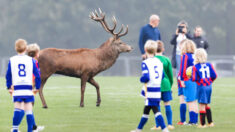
[[115, 39]]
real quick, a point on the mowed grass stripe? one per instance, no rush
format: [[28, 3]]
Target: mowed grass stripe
[[120, 110]]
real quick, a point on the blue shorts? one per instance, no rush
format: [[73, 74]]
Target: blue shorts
[[152, 102], [25, 99], [166, 96], [190, 91], [180, 91], [204, 94]]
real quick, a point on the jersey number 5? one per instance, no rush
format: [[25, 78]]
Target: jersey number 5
[[156, 71], [22, 72]]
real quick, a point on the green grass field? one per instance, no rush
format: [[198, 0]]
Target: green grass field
[[120, 110]]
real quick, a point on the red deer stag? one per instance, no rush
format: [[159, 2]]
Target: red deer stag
[[83, 63]]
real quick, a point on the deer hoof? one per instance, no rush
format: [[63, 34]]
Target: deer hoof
[[98, 103], [45, 107], [81, 105]]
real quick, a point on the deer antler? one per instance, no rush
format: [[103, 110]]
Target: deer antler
[[101, 18]]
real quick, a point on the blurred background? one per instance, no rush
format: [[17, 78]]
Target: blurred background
[[66, 24]]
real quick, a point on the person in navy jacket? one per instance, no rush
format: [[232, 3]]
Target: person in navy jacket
[[149, 32]]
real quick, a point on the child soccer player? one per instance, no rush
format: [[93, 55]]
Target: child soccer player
[[166, 94], [189, 87], [33, 51], [152, 74], [204, 74], [19, 75]]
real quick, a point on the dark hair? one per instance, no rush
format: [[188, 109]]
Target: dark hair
[[32, 53], [160, 46], [183, 22]]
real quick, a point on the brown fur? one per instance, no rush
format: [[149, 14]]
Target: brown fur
[[81, 63]]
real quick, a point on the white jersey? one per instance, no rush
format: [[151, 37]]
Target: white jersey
[[152, 68], [22, 75]]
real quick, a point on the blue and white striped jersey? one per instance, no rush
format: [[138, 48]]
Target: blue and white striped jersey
[[21, 69], [152, 75]]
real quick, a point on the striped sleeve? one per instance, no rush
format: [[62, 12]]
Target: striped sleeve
[[194, 75], [37, 76], [183, 66], [145, 73], [213, 74]]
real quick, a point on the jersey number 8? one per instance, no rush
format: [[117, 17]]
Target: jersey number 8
[[22, 72]]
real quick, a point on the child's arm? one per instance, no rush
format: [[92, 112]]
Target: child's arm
[[9, 76], [37, 76], [213, 74], [170, 72], [145, 73], [194, 74], [183, 66]]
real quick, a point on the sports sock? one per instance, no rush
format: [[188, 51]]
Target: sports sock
[[168, 114], [21, 115], [196, 118], [29, 117], [208, 114], [143, 120], [17, 118], [183, 109], [159, 109], [202, 117], [159, 119], [34, 123]]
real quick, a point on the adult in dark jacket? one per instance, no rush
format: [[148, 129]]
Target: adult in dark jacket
[[198, 38], [181, 34], [149, 32]]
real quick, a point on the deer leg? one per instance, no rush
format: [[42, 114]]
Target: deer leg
[[41, 93], [94, 83], [83, 86]]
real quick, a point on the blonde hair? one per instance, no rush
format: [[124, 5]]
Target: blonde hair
[[188, 46], [20, 45], [33, 49], [160, 46], [200, 56], [150, 46]]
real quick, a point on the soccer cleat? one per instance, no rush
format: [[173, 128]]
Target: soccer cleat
[[39, 128], [12, 130], [156, 128], [136, 130], [165, 130], [170, 127], [200, 126], [191, 124], [211, 124], [181, 123]]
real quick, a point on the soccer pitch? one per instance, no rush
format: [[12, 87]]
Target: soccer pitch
[[120, 110]]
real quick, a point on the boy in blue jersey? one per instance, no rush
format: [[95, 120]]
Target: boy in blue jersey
[[204, 74], [33, 51], [19, 76], [188, 86], [152, 75]]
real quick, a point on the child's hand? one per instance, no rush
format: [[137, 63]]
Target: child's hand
[[10, 91], [35, 91], [182, 83]]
